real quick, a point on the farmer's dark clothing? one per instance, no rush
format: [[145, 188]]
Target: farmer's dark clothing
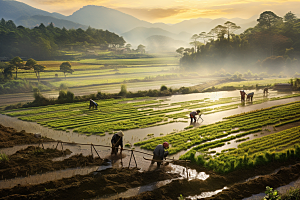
[[242, 95], [250, 96], [93, 104], [158, 154], [116, 141], [193, 116]]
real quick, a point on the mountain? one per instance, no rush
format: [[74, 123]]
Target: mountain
[[27, 16], [159, 43], [32, 21], [12, 10], [107, 19], [138, 35], [135, 31]]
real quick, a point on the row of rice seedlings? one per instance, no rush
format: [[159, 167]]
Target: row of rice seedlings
[[247, 162], [221, 142], [118, 125], [187, 139], [242, 139], [287, 122], [232, 159]]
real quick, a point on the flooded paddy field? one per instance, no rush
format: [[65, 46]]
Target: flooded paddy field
[[169, 123]]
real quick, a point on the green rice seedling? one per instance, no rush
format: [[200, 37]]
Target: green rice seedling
[[189, 127], [4, 157], [127, 145]]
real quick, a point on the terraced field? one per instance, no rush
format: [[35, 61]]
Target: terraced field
[[278, 146]]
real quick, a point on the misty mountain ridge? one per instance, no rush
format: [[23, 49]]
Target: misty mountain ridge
[[134, 30], [159, 43], [36, 20], [138, 35]]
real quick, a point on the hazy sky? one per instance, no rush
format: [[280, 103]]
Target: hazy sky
[[174, 11]]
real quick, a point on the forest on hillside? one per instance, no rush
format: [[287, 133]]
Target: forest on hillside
[[273, 46], [44, 42]]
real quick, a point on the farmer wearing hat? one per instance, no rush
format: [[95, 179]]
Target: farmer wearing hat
[[193, 115], [116, 141], [160, 153]]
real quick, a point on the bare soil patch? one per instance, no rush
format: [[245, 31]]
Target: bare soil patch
[[238, 187], [33, 160], [109, 181], [10, 137]]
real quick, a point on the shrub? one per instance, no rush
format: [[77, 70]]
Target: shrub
[[163, 88], [3, 157], [271, 195], [123, 91]]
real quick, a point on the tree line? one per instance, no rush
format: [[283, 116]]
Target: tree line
[[44, 41], [17, 63], [272, 46]]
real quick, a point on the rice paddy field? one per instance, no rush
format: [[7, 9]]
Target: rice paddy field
[[105, 71], [231, 136], [197, 141]]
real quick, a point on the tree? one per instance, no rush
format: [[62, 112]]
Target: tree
[[65, 67], [268, 19], [141, 48], [195, 37], [7, 72], [30, 63], [231, 27], [123, 91], [203, 36], [219, 31], [37, 69], [128, 46], [289, 17], [180, 50], [17, 63]]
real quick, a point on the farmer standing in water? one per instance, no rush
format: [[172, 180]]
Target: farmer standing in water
[[193, 115], [159, 153], [116, 141]]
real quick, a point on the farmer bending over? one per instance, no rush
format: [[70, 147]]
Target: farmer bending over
[[93, 104], [116, 141], [243, 93], [159, 153], [193, 115]]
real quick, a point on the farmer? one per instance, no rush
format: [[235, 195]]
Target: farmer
[[193, 115], [159, 153], [93, 104], [266, 91], [250, 96], [116, 141], [243, 93]]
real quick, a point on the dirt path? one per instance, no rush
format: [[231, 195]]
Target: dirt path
[[106, 182]]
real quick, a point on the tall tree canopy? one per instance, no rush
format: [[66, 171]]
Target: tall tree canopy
[[65, 67], [271, 45], [43, 42]]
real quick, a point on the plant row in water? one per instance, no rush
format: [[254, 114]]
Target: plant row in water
[[253, 120], [280, 146]]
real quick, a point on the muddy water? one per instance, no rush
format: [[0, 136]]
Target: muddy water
[[190, 174], [204, 195], [132, 136], [281, 190], [48, 176]]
